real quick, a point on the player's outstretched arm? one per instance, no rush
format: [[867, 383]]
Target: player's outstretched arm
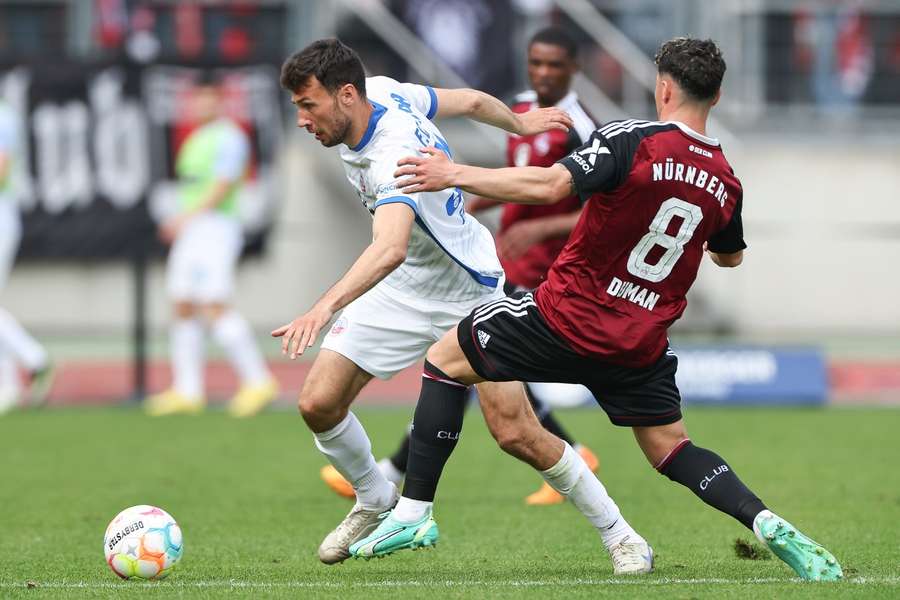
[[520, 185], [391, 230], [479, 106]]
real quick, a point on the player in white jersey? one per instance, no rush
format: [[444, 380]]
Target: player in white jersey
[[17, 347], [427, 264], [529, 237]]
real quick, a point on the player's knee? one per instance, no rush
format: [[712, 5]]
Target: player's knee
[[318, 410], [659, 443], [511, 440], [447, 356], [437, 356]]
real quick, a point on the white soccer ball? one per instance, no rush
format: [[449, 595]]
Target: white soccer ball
[[143, 542]]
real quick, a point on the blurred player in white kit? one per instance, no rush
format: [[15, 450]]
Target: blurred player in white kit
[[207, 240], [17, 346]]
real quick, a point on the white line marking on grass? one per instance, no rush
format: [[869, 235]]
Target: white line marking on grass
[[233, 583]]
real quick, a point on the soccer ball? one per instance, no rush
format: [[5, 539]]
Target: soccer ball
[[143, 542]]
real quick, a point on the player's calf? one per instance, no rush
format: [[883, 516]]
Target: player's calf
[[713, 480], [437, 424]]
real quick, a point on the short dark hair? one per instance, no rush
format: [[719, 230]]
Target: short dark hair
[[208, 78], [556, 36], [695, 65], [332, 62]]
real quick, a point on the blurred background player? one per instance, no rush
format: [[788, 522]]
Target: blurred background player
[[206, 241], [530, 237], [17, 347]]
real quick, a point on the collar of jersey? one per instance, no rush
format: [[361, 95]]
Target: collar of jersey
[[568, 100], [697, 136], [377, 112], [530, 96]]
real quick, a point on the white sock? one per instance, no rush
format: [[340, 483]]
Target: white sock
[[763, 513], [186, 351], [393, 474], [20, 344], [347, 447], [409, 510], [572, 478], [233, 333]]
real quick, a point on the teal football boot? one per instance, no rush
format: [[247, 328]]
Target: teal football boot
[[808, 558], [392, 535]]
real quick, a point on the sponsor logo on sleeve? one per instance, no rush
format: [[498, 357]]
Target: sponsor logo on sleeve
[[588, 157]]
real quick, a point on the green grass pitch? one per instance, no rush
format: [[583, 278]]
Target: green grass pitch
[[253, 510]]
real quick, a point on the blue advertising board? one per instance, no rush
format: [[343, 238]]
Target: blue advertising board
[[728, 375], [751, 375]]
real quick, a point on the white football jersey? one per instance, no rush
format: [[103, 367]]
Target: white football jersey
[[451, 256]]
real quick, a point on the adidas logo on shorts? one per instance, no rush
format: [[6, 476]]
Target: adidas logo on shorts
[[483, 338]]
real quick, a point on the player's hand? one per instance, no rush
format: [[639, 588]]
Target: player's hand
[[172, 228], [540, 120], [430, 173], [515, 241], [302, 332]]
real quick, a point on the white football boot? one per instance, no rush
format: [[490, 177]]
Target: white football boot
[[631, 558], [358, 523]]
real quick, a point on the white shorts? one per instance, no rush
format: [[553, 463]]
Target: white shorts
[[202, 261], [384, 331], [10, 236]]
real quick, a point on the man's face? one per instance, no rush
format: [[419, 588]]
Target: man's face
[[550, 71], [320, 113], [205, 103]]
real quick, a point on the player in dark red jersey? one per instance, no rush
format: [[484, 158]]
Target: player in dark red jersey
[[658, 196], [530, 236]]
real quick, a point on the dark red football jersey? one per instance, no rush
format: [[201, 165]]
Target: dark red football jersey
[[541, 150], [655, 192]]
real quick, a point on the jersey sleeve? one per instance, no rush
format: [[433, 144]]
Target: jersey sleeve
[[422, 97], [387, 187], [730, 239], [601, 164], [232, 157]]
